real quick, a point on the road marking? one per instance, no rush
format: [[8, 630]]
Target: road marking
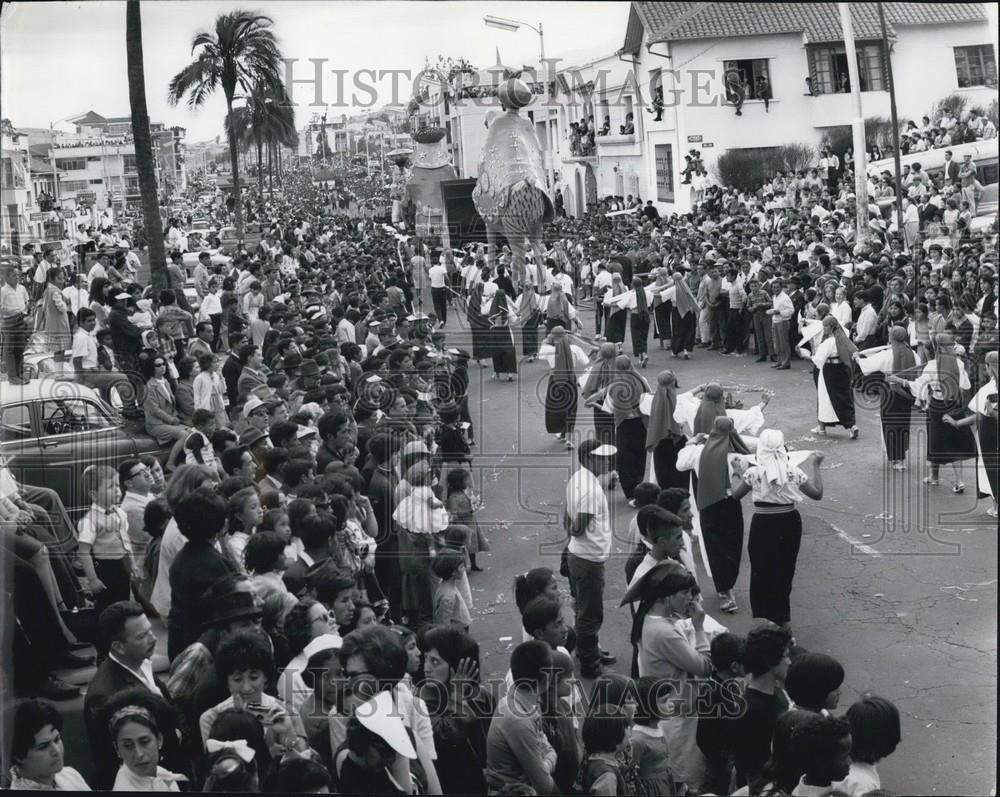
[[865, 549]]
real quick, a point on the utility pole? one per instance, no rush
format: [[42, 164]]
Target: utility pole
[[857, 125], [895, 121]]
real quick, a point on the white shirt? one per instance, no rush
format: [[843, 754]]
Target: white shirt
[[602, 282], [783, 308], [144, 673], [867, 323], [438, 275], [13, 301], [842, 312], [85, 347], [585, 495], [76, 298]]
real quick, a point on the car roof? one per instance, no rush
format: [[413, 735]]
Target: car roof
[[46, 388]]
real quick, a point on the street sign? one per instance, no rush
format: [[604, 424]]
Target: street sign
[[707, 146], [694, 139], [39, 216]]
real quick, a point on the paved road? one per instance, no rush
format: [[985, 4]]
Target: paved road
[[896, 580]]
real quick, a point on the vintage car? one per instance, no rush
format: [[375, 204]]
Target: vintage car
[[52, 429]]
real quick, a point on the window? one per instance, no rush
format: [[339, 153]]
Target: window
[[73, 185], [829, 73], [71, 164], [96, 181], [93, 159], [13, 172], [976, 65], [750, 70], [61, 416], [15, 420], [129, 163], [664, 173]]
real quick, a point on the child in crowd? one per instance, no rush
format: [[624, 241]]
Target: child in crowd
[[462, 504], [324, 675], [649, 747], [104, 548], [449, 605], [245, 515], [264, 557], [645, 494], [719, 704], [456, 538], [875, 734], [813, 682], [276, 520], [605, 734], [155, 518], [421, 512], [822, 745]]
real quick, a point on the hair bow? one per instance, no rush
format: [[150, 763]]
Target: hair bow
[[238, 746]]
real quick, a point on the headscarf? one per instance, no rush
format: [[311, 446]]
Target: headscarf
[[772, 457], [683, 297], [845, 349], [558, 304], [602, 371], [661, 416], [713, 469], [626, 389], [902, 355], [617, 288], [713, 405], [948, 371], [661, 277], [991, 363], [528, 299], [641, 305], [563, 367]]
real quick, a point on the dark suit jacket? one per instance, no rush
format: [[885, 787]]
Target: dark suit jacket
[[110, 679]]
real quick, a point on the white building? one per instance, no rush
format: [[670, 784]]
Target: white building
[[936, 49], [16, 194]]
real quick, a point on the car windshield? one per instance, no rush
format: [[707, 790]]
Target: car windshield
[[67, 415]]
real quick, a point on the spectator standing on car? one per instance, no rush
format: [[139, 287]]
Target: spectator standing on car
[[14, 306]]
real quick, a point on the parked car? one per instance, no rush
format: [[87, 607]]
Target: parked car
[[51, 430]]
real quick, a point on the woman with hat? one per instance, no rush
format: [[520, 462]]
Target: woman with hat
[[777, 487], [834, 394], [895, 402], [720, 515], [664, 435], [600, 376], [561, 393], [939, 389], [667, 607]]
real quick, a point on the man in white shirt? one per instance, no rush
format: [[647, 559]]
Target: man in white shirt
[[14, 305], [438, 274], [781, 313], [588, 521], [867, 321], [602, 281]]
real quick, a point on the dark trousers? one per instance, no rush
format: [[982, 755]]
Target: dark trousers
[[639, 326], [117, 584], [38, 641], [774, 549], [736, 330], [722, 532], [762, 334], [440, 299], [50, 512], [13, 340], [598, 315], [586, 582], [389, 577]]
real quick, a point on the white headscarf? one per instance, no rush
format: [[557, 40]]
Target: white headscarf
[[772, 457]]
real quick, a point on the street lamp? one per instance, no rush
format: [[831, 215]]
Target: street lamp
[[512, 26]]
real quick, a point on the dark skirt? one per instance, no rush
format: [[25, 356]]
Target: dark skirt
[[479, 326], [614, 330], [501, 348], [773, 547], [683, 327], [895, 410], [604, 426], [946, 444], [639, 328], [630, 438], [529, 335], [837, 378], [661, 320], [988, 445], [560, 405], [665, 464], [722, 532]]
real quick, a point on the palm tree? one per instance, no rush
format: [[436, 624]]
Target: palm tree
[[144, 161], [266, 120], [243, 52]]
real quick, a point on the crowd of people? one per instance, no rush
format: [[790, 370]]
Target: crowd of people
[[307, 540]]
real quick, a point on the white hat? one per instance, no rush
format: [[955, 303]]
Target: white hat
[[252, 404], [321, 643], [121, 296], [604, 450], [380, 717], [306, 431]]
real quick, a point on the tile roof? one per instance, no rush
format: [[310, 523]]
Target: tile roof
[[819, 22]]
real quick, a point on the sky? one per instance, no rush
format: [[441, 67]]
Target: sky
[[60, 59]]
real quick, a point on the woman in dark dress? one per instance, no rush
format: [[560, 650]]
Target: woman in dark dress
[[895, 401], [479, 324], [614, 329], [665, 437], [529, 310], [557, 309], [561, 394], [684, 318], [625, 393], [594, 390], [662, 308], [939, 388], [501, 340], [984, 415], [639, 320], [834, 359]]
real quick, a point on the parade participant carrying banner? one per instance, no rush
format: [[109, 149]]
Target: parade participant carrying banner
[[511, 195]]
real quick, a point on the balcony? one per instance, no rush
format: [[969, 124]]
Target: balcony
[[617, 145]]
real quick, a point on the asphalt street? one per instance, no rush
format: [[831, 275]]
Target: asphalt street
[[895, 579]]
